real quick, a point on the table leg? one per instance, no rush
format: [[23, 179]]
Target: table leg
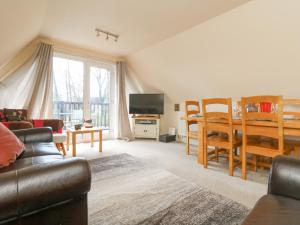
[[63, 149], [92, 139], [201, 143], [100, 140], [74, 144], [68, 140]]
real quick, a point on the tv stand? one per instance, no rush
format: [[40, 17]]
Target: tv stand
[[145, 126], [145, 116]]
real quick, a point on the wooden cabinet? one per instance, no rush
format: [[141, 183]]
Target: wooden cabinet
[[146, 127]]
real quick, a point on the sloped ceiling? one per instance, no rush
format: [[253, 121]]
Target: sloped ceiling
[[251, 50], [140, 23], [20, 22]]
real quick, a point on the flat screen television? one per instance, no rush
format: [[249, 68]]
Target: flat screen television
[[146, 104]]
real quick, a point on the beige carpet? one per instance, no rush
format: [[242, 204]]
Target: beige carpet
[[171, 157]]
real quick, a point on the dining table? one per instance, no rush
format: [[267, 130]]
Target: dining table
[[291, 127]]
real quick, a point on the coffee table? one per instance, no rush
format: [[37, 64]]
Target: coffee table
[[72, 133]]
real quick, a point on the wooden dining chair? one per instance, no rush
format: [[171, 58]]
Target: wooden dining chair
[[291, 111], [192, 109], [221, 123], [267, 125]]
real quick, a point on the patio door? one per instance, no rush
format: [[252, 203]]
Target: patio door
[[100, 97], [68, 80], [83, 90]]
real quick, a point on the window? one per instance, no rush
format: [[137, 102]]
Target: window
[[68, 90], [99, 96], [82, 90]]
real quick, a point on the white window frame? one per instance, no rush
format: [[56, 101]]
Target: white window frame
[[87, 64]]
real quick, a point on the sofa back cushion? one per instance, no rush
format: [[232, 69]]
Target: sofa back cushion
[[15, 114], [10, 146], [2, 116]]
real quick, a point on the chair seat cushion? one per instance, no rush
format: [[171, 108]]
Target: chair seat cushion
[[39, 149], [275, 210]]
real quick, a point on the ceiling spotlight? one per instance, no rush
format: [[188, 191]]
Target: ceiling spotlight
[[107, 33]]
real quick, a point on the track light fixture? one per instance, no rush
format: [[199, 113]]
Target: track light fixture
[[108, 34]]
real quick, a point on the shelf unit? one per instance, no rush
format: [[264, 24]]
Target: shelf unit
[[146, 126]]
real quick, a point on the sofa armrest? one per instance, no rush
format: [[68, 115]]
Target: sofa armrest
[[39, 186], [56, 124], [284, 177], [43, 134]]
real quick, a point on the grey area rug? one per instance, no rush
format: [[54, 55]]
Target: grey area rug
[[128, 191]]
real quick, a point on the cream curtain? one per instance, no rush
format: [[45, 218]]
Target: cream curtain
[[27, 84], [123, 130]]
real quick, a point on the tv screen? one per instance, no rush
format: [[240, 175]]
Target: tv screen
[[146, 103]]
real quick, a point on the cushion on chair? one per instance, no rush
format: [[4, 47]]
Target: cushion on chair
[[2, 117], [15, 114], [17, 125], [10, 146]]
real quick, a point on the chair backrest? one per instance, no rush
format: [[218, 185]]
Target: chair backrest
[[238, 109], [267, 124], [217, 120], [192, 108], [294, 111]]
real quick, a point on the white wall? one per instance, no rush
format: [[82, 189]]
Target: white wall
[[252, 50]]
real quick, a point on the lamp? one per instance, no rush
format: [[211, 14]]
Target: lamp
[[107, 33]]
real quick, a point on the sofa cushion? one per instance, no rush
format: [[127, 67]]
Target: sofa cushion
[[56, 125], [10, 146], [39, 149], [275, 210], [15, 114], [2, 117], [17, 125]]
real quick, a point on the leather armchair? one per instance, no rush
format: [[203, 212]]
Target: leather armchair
[[281, 205], [42, 187]]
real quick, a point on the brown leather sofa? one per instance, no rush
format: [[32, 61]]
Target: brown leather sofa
[[42, 187], [281, 206], [16, 119]]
